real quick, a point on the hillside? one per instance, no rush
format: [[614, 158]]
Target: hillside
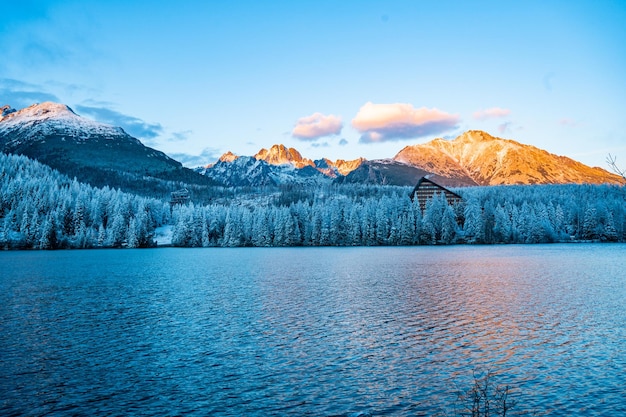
[[93, 152], [489, 160]]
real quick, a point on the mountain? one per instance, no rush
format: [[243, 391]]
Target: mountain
[[340, 167], [101, 155], [275, 166], [247, 171], [93, 152], [391, 172], [473, 158], [281, 155], [488, 160]]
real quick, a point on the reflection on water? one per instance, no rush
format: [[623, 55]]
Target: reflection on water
[[311, 331]]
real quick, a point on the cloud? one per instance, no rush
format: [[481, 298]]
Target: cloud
[[504, 127], [491, 113], [568, 122], [207, 156], [397, 121], [316, 126], [343, 142], [133, 125], [180, 136], [19, 94], [321, 145]]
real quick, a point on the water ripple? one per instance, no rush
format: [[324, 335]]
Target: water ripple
[[319, 332]]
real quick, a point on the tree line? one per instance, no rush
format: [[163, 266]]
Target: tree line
[[42, 209], [387, 216]]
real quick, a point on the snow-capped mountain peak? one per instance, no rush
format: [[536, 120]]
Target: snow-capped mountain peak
[[50, 118], [94, 152], [45, 110]]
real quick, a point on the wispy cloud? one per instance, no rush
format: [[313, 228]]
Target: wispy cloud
[[316, 126], [179, 136], [504, 127], [133, 125], [207, 156], [568, 122], [19, 94], [397, 121], [321, 145], [491, 113]]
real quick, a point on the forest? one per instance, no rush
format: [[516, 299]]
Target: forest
[[42, 209]]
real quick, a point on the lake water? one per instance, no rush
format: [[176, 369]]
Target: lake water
[[312, 331]]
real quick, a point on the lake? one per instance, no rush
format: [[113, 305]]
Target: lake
[[312, 331]]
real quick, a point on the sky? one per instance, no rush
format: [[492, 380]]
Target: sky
[[332, 79]]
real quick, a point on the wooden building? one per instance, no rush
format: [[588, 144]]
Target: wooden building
[[180, 197], [426, 189]]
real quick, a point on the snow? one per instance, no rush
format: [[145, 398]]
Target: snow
[[48, 118], [163, 235]]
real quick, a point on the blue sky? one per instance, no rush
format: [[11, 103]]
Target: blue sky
[[332, 79]]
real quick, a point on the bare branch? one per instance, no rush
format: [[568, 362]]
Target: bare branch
[[612, 161]]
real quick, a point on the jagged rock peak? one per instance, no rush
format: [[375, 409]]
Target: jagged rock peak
[[345, 167], [6, 110], [228, 157], [279, 152], [280, 155]]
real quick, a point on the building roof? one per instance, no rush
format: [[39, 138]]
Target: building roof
[[426, 189]]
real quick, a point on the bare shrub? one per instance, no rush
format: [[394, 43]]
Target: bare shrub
[[485, 399]]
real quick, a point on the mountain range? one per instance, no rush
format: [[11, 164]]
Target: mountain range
[[101, 154], [92, 152], [473, 158]]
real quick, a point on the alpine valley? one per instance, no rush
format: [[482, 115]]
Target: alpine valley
[[101, 154], [70, 182]]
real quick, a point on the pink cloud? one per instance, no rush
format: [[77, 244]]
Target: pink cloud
[[396, 121], [316, 126], [491, 113]]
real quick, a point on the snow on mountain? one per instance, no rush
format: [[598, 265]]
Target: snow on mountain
[[489, 160], [6, 110], [276, 165], [51, 133], [473, 158], [248, 171], [281, 155], [341, 166], [95, 153], [46, 119]]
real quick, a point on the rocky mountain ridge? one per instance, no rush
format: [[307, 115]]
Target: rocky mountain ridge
[[106, 155], [473, 158], [279, 155], [488, 160]]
